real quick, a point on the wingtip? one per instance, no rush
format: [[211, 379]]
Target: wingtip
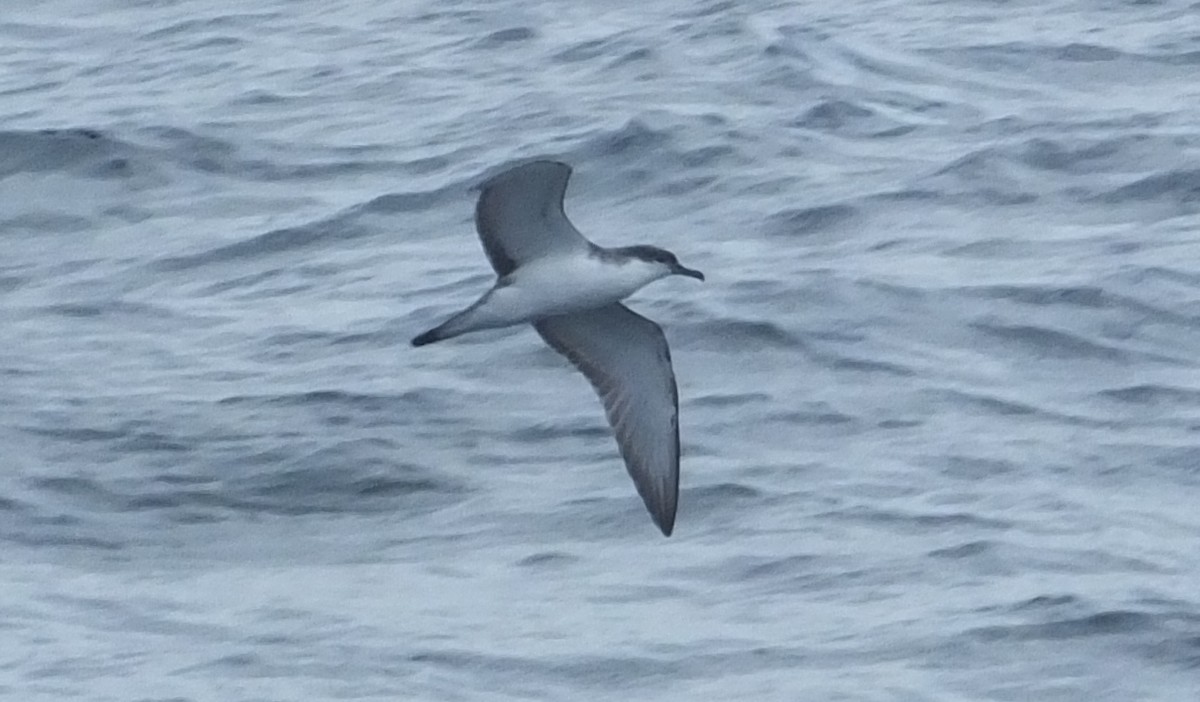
[[665, 522]]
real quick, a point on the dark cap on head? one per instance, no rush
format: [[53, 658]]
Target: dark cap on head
[[653, 254]]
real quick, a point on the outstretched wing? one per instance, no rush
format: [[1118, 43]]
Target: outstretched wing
[[520, 215], [626, 358]]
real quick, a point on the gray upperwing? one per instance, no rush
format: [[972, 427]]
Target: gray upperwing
[[625, 356], [520, 215]]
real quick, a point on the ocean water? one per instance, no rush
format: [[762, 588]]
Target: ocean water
[[940, 396]]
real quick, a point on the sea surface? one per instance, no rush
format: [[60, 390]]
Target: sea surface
[[940, 396]]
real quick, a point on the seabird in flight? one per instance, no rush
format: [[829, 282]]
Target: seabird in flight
[[571, 290]]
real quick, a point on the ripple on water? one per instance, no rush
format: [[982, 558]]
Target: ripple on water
[[1181, 186], [326, 232], [728, 334], [1098, 624], [1154, 394], [1043, 342], [503, 38], [810, 220], [57, 150]]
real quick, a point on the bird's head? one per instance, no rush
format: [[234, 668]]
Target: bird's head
[[662, 258]]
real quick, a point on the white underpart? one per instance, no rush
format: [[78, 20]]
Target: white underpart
[[558, 285]]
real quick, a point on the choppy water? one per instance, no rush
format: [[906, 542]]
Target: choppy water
[[940, 396]]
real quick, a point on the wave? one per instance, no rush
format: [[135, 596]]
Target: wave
[[338, 229], [82, 151], [1098, 624], [1181, 186], [808, 220], [737, 334], [1154, 394], [1045, 342]]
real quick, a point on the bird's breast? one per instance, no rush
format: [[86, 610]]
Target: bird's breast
[[575, 283]]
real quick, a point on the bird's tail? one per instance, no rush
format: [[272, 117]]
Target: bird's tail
[[455, 326], [436, 334], [466, 321]]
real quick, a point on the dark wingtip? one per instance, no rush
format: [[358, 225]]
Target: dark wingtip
[[427, 338], [665, 522]]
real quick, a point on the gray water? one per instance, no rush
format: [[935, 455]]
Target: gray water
[[940, 396]]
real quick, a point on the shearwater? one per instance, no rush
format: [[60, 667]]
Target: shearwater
[[571, 290]]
